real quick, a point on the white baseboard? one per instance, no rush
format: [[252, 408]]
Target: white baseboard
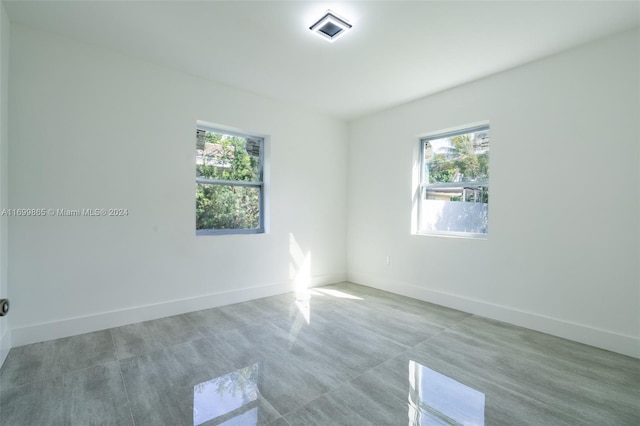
[[5, 346], [84, 324], [620, 343]]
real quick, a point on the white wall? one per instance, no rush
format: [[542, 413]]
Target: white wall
[[92, 128], [5, 335], [564, 221]]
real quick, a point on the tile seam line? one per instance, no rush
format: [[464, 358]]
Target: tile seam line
[[124, 384], [406, 350], [163, 348], [233, 366], [206, 339], [58, 376], [516, 392], [342, 385], [505, 388], [348, 382], [444, 329]]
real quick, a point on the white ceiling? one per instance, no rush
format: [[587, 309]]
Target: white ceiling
[[396, 52]]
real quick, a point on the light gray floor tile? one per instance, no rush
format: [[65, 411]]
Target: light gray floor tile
[[350, 346], [351, 405], [345, 355], [444, 385], [210, 322], [191, 383], [41, 361], [287, 387], [260, 309], [84, 350], [383, 300], [291, 373], [552, 381], [405, 328], [280, 421], [27, 364], [325, 410], [617, 370], [252, 344], [93, 396], [148, 336]]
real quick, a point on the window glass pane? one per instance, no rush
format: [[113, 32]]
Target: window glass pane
[[455, 183], [440, 215], [227, 157], [459, 158], [466, 193], [227, 207]]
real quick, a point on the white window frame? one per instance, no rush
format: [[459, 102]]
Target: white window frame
[[260, 185], [423, 186]]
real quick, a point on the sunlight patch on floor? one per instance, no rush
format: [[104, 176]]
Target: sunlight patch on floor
[[335, 293]]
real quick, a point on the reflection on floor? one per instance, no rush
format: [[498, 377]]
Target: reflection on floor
[[336, 355], [435, 398], [234, 392]]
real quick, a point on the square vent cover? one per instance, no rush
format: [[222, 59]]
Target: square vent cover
[[330, 27]]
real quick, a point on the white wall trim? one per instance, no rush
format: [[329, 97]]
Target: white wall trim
[[5, 346], [85, 324], [620, 343]]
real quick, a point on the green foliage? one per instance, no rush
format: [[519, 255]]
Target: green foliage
[[461, 162], [441, 169], [224, 157], [227, 207]]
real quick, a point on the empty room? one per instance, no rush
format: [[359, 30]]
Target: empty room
[[319, 213]]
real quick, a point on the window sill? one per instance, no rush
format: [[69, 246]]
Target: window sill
[[204, 232], [450, 234]]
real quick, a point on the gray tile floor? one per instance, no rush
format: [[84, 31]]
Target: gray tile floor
[[349, 355]]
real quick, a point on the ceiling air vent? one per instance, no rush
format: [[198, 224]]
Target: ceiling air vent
[[330, 27]]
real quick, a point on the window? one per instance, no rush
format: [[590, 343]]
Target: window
[[229, 182], [454, 185]]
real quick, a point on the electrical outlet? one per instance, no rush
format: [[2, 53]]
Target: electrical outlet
[[387, 260]]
